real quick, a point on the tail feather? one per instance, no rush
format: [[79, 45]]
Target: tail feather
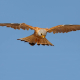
[[44, 42], [32, 39]]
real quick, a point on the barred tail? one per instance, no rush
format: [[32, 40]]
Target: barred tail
[[32, 39], [44, 41]]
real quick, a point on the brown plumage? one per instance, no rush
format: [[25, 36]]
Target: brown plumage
[[40, 33]]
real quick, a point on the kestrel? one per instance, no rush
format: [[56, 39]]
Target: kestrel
[[40, 33]]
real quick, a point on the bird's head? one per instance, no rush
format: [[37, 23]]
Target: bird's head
[[42, 33]]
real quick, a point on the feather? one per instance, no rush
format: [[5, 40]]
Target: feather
[[63, 28]]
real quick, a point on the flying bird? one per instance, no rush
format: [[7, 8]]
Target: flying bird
[[39, 35]]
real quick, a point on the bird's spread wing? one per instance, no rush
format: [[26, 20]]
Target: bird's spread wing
[[63, 28], [18, 26]]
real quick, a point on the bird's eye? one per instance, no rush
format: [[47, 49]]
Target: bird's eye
[[41, 33]]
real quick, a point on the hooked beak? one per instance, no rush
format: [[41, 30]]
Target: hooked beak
[[43, 36]]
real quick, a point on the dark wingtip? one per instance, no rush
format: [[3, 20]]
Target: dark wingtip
[[47, 44], [18, 39], [25, 41], [43, 44], [32, 44], [51, 45], [38, 44], [22, 40]]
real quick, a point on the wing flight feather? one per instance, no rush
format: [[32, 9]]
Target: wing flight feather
[[63, 28], [18, 26]]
